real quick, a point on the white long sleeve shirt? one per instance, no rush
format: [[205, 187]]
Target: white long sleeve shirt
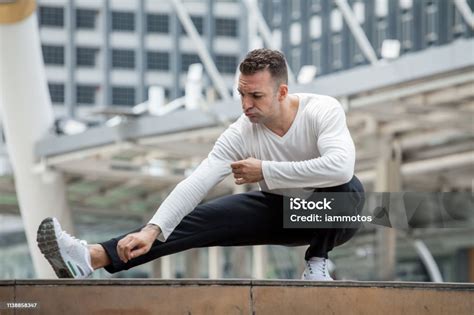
[[317, 151]]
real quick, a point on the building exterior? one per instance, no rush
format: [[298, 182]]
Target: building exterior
[[109, 52], [314, 32]]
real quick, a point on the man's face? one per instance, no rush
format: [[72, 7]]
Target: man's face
[[259, 96]]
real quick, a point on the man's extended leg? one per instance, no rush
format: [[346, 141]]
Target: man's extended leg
[[244, 219]]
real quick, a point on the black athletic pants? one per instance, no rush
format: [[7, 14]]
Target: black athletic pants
[[253, 218]]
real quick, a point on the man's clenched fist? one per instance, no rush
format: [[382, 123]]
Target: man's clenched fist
[[137, 244], [247, 171]]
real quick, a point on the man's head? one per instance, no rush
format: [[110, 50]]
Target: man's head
[[263, 84], [266, 59]]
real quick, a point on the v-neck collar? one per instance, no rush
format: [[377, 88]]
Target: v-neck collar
[[290, 130]]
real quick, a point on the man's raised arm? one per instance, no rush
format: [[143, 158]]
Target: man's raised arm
[[191, 191]]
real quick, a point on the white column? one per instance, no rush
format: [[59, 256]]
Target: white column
[[27, 116], [215, 270], [259, 261], [166, 270]]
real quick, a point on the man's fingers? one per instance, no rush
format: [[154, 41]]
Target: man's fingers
[[129, 247], [121, 248], [138, 252], [238, 174], [124, 248], [240, 181], [237, 165]]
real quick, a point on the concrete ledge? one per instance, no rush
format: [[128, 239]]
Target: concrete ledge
[[190, 296]]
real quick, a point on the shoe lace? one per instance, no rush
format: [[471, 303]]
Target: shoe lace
[[322, 268], [73, 238]]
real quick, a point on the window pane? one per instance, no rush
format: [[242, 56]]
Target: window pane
[[337, 52], [226, 64], [85, 18], [407, 31], [122, 58], [316, 55], [85, 94], [198, 22], [315, 6], [86, 56], [123, 96], [157, 23], [56, 90], [295, 9], [381, 33], [51, 16], [431, 23], [158, 60], [226, 27], [296, 59], [188, 59], [277, 13], [53, 55], [123, 21], [458, 24]]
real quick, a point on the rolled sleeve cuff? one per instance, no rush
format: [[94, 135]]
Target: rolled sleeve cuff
[[165, 231]]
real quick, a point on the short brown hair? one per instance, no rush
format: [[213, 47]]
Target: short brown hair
[[263, 58]]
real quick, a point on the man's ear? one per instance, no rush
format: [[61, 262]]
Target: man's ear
[[282, 92]]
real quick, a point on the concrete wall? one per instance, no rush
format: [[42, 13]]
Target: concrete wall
[[235, 297]]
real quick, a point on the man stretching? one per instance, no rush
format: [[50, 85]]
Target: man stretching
[[290, 144]]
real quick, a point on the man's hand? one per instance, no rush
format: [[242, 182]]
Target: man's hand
[[247, 171], [137, 244]]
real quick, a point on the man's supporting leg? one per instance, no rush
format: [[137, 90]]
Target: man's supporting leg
[[324, 240]]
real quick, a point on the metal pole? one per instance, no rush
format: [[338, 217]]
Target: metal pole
[[428, 260], [140, 52], [70, 58], [106, 56], [262, 27], [426, 166], [357, 31], [202, 51], [465, 11], [388, 179]]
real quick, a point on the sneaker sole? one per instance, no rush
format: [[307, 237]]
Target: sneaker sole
[[48, 245]]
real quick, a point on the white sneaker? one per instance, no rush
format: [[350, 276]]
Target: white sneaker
[[69, 256], [317, 270]]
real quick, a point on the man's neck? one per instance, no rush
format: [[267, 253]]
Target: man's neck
[[288, 110]]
